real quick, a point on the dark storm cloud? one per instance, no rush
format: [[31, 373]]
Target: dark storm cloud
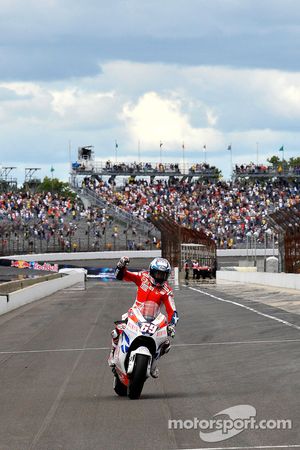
[[56, 40]]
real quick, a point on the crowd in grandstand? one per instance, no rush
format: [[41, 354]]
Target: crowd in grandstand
[[228, 211], [141, 168], [46, 222], [26, 206], [260, 169], [28, 217]]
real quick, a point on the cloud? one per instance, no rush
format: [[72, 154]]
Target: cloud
[[154, 119], [131, 102], [55, 40]]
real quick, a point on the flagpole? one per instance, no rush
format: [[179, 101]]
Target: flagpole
[[231, 163], [183, 158], [204, 151], [116, 151], [257, 153], [160, 146], [139, 152], [52, 170]]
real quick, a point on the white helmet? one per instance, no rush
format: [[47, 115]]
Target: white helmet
[[160, 270]]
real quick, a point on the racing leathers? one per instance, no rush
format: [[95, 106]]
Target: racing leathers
[[148, 290]]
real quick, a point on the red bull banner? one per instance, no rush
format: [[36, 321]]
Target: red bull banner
[[19, 264]]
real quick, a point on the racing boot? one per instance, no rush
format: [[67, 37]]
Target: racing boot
[[154, 371], [165, 348], [114, 343]]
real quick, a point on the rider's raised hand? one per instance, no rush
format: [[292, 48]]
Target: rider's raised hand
[[124, 261]]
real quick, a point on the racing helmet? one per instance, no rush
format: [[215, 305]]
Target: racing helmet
[[159, 270]]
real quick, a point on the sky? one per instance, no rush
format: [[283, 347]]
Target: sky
[[207, 73]]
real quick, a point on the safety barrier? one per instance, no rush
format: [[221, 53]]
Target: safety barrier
[[29, 294], [11, 286], [279, 280], [85, 255]]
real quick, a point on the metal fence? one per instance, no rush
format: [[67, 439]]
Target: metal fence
[[286, 222], [19, 245], [174, 235], [119, 214]]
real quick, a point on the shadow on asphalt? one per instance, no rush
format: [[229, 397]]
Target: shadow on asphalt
[[156, 396]]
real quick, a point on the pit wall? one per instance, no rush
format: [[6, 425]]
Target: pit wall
[[85, 255], [279, 280], [29, 294], [242, 253]]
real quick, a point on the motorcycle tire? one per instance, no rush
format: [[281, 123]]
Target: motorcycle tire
[[138, 376], [119, 387]]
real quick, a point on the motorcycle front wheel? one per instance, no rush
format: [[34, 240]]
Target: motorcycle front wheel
[[138, 376]]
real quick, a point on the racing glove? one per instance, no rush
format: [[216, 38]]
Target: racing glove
[[171, 331], [119, 272], [124, 261]]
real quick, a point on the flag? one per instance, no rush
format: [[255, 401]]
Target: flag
[[229, 147], [281, 149], [204, 148], [117, 145], [52, 169], [183, 145], [160, 145]]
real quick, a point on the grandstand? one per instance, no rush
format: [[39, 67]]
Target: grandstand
[[115, 203], [279, 170], [86, 165], [38, 223], [234, 214]]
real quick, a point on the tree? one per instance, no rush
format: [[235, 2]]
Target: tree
[[55, 186], [274, 160], [294, 162]]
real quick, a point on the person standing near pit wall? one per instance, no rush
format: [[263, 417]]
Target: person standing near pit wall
[[187, 270]]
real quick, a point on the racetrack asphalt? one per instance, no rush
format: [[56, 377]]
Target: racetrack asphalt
[[56, 388]]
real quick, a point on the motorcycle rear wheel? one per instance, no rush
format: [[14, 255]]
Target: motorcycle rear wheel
[[119, 387], [138, 376]]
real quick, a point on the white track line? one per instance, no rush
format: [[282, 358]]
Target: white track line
[[246, 448], [202, 344], [268, 316], [56, 350]]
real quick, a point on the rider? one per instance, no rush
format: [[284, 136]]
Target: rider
[[152, 285]]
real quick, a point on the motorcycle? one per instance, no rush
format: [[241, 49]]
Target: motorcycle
[[142, 340]]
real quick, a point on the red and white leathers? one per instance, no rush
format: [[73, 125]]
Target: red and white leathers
[[147, 290]]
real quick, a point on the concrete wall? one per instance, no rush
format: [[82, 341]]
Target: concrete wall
[[281, 280], [85, 255], [29, 294], [16, 285], [241, 252]]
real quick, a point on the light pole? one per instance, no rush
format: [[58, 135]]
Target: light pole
[[52, 170], [231, 165], [268, 233], [183, 158], [116, 151], [139, 152], [256, 153], [255, 236]]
